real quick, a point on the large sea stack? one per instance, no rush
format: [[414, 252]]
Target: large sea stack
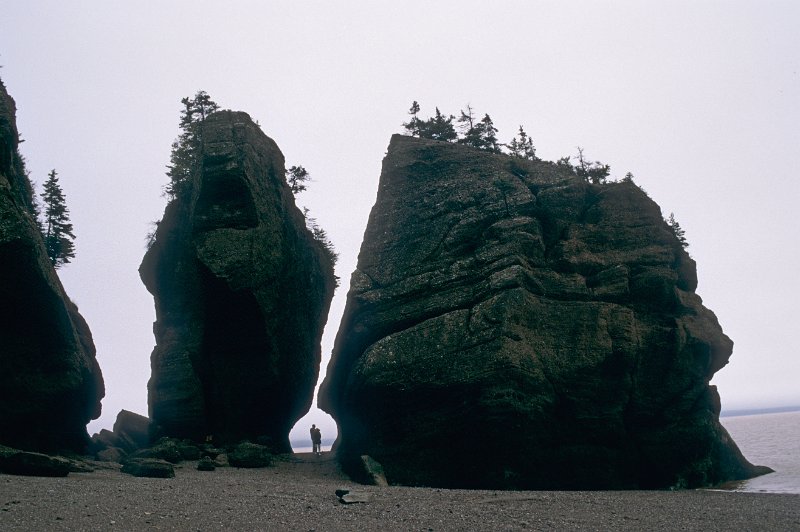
[[50, 383], [242, 291], [512, 326]]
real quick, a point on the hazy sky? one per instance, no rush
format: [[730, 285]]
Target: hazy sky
[[700, 100]]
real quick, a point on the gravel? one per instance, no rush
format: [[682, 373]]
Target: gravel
[[299, 493]]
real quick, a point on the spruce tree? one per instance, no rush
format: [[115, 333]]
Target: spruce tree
[[591, 172], [297, 176], [186, 150], [679, 233], [471, 135], [57, 229], [522, 146], [478, 134], [488, 135], [439, 127], [413, 125]]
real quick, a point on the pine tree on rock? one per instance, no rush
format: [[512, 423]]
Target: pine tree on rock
[[478, 134], [471, 135], [439, 127], [413, 125], [297, 176], [522, 146], [187, 148], [57, 229], [591, 172], [679, 233], [488, 135]]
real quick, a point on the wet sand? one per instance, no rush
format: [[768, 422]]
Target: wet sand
[[298, 493]]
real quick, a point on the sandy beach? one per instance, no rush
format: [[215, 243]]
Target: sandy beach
[[299, 493]]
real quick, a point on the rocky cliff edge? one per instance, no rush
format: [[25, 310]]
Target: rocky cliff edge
[[50, 382]]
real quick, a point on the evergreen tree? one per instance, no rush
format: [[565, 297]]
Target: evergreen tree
[[591, 172], [522, 146], [478, 134], [488, 135], [679, 233], [439, 127], [58, 236], [150, 237], [413, 125], [186, 150], [471, 135], [321, 236], [565, 162], [297, 176]]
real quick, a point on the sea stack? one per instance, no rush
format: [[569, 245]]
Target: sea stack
[[510, 325], [50, 382], [242, 291]]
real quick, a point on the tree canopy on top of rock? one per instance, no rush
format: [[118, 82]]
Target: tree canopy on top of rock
[[482, 134], [184, 159]]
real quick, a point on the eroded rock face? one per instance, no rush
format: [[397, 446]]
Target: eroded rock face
[[511, 326], [50, 382], [242, 292]]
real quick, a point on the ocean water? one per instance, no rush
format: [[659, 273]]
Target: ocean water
[[304, 446], [772, 440]]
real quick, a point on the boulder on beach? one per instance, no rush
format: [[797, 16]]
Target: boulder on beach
[[25, 463], [250, 455], [206, 463]]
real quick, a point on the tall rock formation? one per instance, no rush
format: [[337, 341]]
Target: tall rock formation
[[242, 292], [511, 326], [50, 382]]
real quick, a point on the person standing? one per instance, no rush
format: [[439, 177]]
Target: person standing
[[316, 440], [319, 442]]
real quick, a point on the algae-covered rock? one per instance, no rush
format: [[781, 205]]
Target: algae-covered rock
[[250, 455]]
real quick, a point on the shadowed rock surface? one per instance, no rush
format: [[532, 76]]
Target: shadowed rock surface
[[511, 326], [242, 292], [50, 383]]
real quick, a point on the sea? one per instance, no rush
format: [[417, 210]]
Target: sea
[[773, 440], [769, 439], [302, 446]]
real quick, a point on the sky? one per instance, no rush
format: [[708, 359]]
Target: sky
[[698, 99]]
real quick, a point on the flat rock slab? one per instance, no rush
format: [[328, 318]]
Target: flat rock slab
[[354, 497]]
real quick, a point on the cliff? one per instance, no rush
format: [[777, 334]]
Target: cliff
[[511, 326], [242, 292], [50, 382]]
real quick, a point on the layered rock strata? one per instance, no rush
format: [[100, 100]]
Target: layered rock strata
[[50, 382], [511, 326], [242, 291]]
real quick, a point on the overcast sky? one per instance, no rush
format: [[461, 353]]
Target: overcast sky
[[700, 100]]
